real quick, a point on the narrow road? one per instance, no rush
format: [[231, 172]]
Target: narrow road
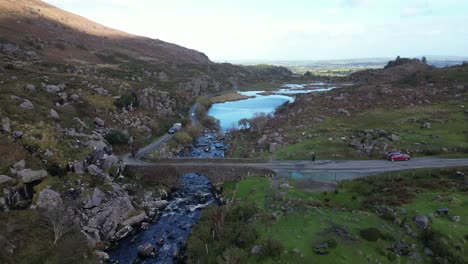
[[339, 169]]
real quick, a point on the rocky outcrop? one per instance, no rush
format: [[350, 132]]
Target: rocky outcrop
[[159, 101]]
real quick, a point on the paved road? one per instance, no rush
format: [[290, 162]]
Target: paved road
[[193, 114], [328, 169]]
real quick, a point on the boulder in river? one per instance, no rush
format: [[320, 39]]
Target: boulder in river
[[147, 251]]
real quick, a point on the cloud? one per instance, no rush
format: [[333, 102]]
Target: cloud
[[419, 8]]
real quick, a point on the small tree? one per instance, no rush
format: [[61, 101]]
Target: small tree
[[258, 122], [244, 123], [424, 60], [58, 220]]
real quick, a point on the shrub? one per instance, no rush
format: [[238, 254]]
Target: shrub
[[332, 243], [116, 137], [210, 122], [272, 248], [183, 138], [370, 234], [56, 170], [126, 100], [233, 255], [193, 131]]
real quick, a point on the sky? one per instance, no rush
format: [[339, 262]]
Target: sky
[[230, 30]]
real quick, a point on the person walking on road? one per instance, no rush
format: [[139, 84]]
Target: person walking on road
[[312, 157]]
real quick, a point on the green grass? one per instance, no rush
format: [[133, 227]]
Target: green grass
[[448, 131], [310, 218]]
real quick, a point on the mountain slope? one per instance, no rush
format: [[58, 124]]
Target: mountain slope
[[56, 30]]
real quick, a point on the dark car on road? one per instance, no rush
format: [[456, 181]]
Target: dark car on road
[[172, 130], [394, 156]]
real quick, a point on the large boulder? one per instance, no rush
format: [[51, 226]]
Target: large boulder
[[146, 251], [28, 175], [4, 178], [49, 199], [134, 219], [108, 216], [20, 165], [262, 140]]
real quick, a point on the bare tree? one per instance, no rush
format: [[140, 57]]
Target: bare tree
[[258, 122], [244, 123], [59, 220]]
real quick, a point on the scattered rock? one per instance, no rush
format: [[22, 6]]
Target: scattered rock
[[428, 252], [18, 134], [101, 91], [394, 137], [262, 140], [4, 178], [28, 175], [30, 88], [343, 111], [272, 147], [6, 125], [52, 88], [49, 199], [95, 200], [422, 221], [102, 256], [99, 122], [19, 165], [455, 218], [54, 115], [75, 97], [146, 251], [122, 233], [284, 185], [48, 153], [426, 125], [26, 104], [256, 250]]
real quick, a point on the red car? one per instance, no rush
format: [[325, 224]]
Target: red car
[[398, 156]]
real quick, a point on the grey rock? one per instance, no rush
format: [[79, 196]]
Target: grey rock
[[15, 98], [49, 199], [109, 215], [4, 178], [19, 165], [455, 218], [422, 221], [394, 137], [284, 185], [95, 200], [134, 219], [18, 134], [272, 147], [28, 175], [428, 252], [52, 88], [426, 125], [48, 153], [30, 88], [6, 125], [75, 97], [110, 161], [262, 140], [101, 255], [99, 122], [101, 91], [26, 104], [95, 171], [343, 111], [147, 251], [122, 233], [54, 115], [257, 249]]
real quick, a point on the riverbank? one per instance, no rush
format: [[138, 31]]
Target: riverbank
[[387, 218]]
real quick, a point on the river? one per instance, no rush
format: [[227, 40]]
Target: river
[[169, 233]]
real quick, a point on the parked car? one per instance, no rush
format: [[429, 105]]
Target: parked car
[[393, 156], [172, 130]]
